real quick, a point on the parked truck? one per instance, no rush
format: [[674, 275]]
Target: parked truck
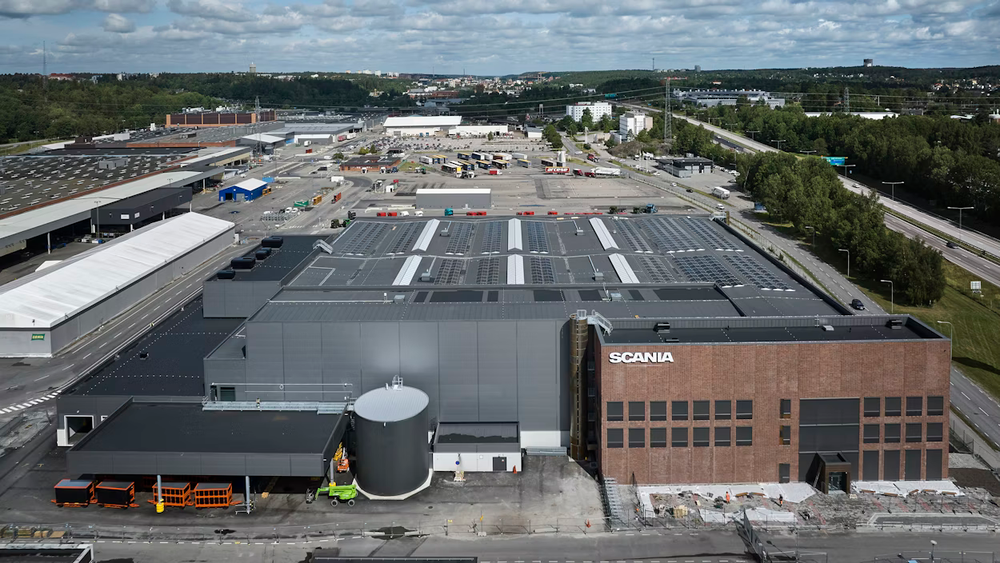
[[720, 192], [520, 156], [607, 171], [592, 157]]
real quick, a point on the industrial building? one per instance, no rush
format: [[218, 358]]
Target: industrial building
[[247, 190], [420, 126], [597, 110], [465, 343], [266, 141], [454, 198], [369, 163], [218, 119], [686, 167], [716, 97]]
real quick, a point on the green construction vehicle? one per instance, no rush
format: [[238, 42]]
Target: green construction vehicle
[[339, 493]]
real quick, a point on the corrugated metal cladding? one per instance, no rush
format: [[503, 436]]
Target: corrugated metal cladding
[[427, 199], [393, 453]]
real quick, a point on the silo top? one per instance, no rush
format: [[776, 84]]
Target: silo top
[[391, 404]]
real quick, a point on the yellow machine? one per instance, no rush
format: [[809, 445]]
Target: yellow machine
[[341, 458]]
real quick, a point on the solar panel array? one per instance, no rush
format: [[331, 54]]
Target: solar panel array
[[364, 238], [656, 268], [709, 235], [630, 232], [488, 272], [493, 238], [405, 238], [706, 268], [538, 242], [541, 270], [461, 238], [670, 237], [756, 273], [450, 272]]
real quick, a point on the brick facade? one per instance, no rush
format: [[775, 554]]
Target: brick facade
[[765, 374]]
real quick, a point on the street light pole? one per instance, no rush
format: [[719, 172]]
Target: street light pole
[[951, 335], [808, 152], [848, 260], [813, 229], [893, 184], [960, 209], [752, 133], [779, 141], [892, 297]]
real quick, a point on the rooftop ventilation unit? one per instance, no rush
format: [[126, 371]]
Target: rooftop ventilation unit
[[445, 232], [426, 277], [399, 299], [661, 326], [323, 245], [616, 296], [599, 276], [827, 328], [895, 324]]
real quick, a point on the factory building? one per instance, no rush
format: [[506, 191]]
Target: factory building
[[370, 163], [218, 119], [420, 126], [686, 167], [266, 141], [663, 347]]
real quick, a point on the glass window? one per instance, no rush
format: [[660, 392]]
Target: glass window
[[723, 410], [679, 437], [873, 406], [700, 437], [657, 437], [891, 433], [914, 406], [914, 432], [786, 408], [935, 406], [679, 409], [784, 472], [616, 437], [637, 437], [636, 410], [616, 411], [744, 435], [785, 435], [744, 410], [935, 431], [723, 435], [871, 433], [701, 410], [657, 410], [893, 406]]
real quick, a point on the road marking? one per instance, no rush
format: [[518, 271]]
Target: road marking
[[984, 411], [966, 396], [42, 377], [102, 345], [88, 355], [115, 337]]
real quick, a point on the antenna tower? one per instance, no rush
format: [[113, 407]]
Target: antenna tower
[[667, 133]]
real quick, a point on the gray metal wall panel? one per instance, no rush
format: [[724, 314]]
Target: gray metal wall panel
[[498, 352], [538, 376], [306, 465], [303, 360], [81, 463], [222, 371], [342, 353], [458, 347], [268, 465], [419, 349], [265, 361], [380, 362], [134, 463], [224, 464], [213, 298], [177, 464], [18, 344]]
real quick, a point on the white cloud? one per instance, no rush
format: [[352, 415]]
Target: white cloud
[[124, 6], [213, 9], [115, 23], [28, 8]]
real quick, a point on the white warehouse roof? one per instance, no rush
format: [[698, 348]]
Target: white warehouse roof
[[250, 184], [45, 298], [262, 138], [423, 121], [453, 191]]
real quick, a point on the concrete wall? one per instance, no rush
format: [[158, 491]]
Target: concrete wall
[[485, 371], [475, 459], [455, 201], [236, 298]]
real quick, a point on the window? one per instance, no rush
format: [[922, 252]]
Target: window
[[701, 410], [891, 433], [935, 432], [786, 408], [873, 406], [871, 434], [700, 437], [914, 432], [935, 406], [679, 409], [657, 437], [785, 435], [227, 393], [784, 472], [636, 410], [637, 437], [744, 435], [893, 406], [616, 412], [679, 437], [744, 410], [914, 406], [657, 410], [616, 437], [723, 410], [723, 436]]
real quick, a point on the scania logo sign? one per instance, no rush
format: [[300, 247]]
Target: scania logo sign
[[640, 357]]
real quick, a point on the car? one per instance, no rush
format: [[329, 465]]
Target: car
[[857, 304], [720, 207], [689, 190], [951, 244], [233, 212]]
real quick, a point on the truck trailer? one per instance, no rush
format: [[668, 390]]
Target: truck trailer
[[720, 192]]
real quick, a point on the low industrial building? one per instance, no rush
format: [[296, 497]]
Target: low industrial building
[[420, 126], [218, 119], [136, 210], [686, 167], [247, 190], [266, 142], [369, 163], [478, 130], [454, 198]]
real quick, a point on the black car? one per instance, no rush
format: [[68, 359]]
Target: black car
[[951, 245], [857, 304]]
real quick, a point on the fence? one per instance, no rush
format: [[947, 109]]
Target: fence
[[936, 556]]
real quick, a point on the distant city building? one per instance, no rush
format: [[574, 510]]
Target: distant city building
[[253, 68], [714, 97], [869, 62], [597, 110], [697, 68], [631, 123]]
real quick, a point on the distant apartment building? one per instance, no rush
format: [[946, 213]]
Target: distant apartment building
[[631, 123], [597, 110]]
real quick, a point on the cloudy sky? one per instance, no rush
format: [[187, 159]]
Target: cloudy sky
[[491, 36]]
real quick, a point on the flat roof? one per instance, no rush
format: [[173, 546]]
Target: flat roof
[[263, 138], [187, 427], [212, 155], [294, 250], [451, 191], [46, 298], [373, 160], [423, 121], [249, 184]]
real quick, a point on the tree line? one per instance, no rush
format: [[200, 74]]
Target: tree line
[[807, 192]]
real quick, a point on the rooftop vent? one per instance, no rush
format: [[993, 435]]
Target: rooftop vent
[[827, 328], [616, 296], [661, 326], [426, 277], [599, 276], [895, 324], [445, 232], [399, 299]]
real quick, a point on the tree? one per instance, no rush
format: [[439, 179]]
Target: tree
[[338, 156], [587, 120], [610, 143], [489, 136]]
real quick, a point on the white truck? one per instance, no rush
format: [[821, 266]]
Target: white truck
[[604, 171], [720, 192], [520, 156], [426, 160]]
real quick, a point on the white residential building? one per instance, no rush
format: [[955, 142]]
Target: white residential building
[[597, 110], [629, 124]]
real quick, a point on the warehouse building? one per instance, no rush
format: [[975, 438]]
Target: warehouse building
[[420, 126], [247, 190], [369, 163], [152, 205], [525, 336], [454, 198], [686, 167], [218, 119], [266, 141]]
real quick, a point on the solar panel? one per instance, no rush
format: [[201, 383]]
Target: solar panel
[[363, 239], [630, 232], [461, 238], [756, 273], [488, 271], [492, 238], [407, 235], [670, 237], [656, 268], [709, 234], [450, 272], [541, 270], [538, 242], [706, 268]]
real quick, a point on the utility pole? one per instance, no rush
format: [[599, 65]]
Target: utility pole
[[847, 99], [752, 133], [667, 133], [256, 110]]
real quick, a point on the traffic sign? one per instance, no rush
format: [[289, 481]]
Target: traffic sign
[[836, 160]]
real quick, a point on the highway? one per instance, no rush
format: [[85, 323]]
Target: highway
[[977, 406]]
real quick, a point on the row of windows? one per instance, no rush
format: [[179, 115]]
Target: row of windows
[[679, 410], [894, 406], [700, 437], [914, 433]]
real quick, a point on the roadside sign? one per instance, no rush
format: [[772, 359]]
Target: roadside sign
[[836, 160], [977, 286]]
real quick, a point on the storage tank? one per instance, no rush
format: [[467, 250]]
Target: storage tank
[[391, 425]]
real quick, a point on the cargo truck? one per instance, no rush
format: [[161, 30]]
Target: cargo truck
[[720, 192], [520, 156], [607, 171], [426, 160]]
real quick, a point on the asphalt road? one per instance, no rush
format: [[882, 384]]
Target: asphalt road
[[979, 407]]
